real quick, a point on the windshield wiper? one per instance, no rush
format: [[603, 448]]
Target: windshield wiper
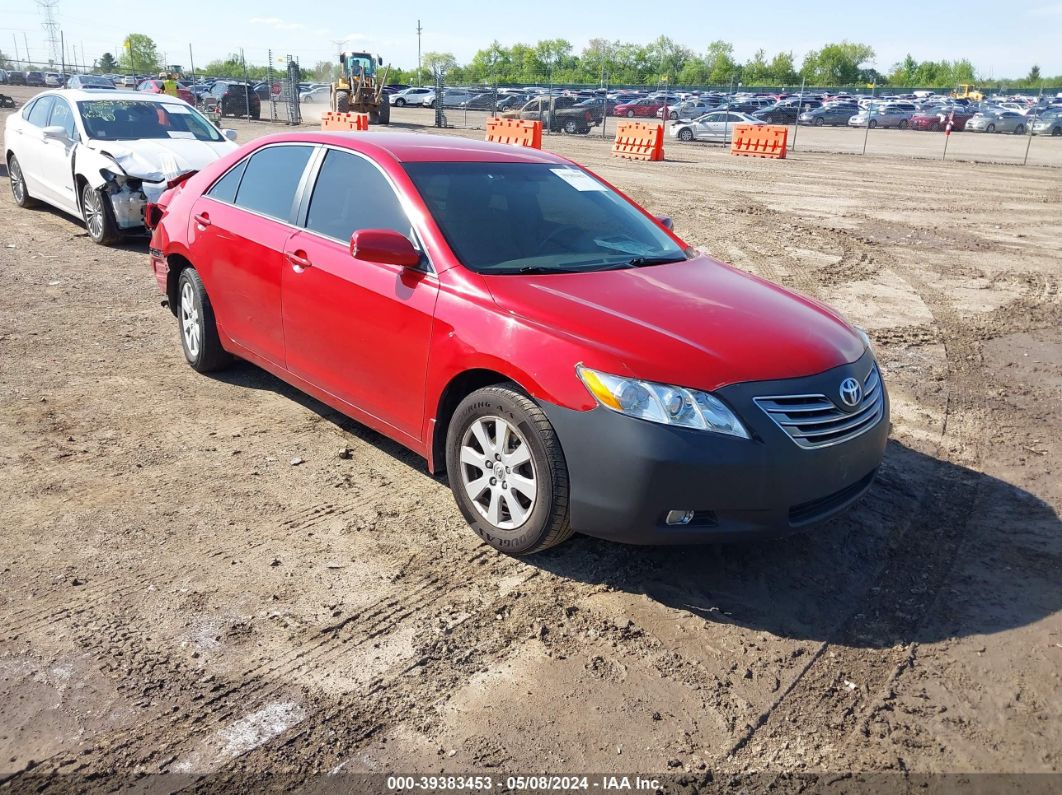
[[641, 262]]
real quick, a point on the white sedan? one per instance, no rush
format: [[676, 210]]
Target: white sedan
[[317, 94], [103, 155], [715, 126]]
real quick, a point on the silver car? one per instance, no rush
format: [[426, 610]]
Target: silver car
[[1049, 123], [1003, 121], [883, 116], [715, 126]]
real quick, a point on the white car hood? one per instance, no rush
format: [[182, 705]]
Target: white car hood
[[162, 159]]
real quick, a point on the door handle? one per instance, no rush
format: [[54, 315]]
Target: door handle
[[203, 219], [298, 259]]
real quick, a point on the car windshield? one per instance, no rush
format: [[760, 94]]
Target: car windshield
[[131, 119], [503, 218]]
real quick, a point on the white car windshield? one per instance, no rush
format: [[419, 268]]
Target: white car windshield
[[132, 119]]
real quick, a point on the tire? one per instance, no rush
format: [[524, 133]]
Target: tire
[[818, 121], [903, 124], [1019, 130], [673, 116], [571, 127], [685, 134], [19, 191], [98, 215], [385, 111], [1056, 131], [374, 117], [480, 418], [197, 325], [630, 114], [432, 105], [343, 101], [872, 123], [400, 102], [934, 127], [990, 128]]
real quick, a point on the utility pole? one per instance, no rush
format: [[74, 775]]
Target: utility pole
[[419, 29], [51, 28], [62, 51], [14, 38]]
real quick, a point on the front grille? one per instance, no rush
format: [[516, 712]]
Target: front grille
[[815, 421]]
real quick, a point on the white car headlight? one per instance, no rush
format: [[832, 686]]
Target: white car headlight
[[662, 403]]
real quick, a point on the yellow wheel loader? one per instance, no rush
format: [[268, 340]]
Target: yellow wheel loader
[[360, 87]]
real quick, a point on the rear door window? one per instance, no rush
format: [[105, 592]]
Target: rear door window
[[271, 179]]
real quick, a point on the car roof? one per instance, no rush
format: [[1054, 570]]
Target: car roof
[[112, 94], [409, 147]]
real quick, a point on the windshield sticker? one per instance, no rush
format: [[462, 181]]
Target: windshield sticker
[[579, 180], [181, 134], [173, 107]]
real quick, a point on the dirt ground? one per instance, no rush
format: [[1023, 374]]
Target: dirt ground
[[176, 596]]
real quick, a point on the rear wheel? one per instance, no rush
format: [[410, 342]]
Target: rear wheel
[[99, 216], [343, 101], [1019, 130], [1056, 131], [507, 471], [630, 114], [18, 184], [934, 127], [199, 331], [903, 124], [385, 110], [571, 127]]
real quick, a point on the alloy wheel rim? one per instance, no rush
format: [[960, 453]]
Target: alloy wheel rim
[[190, 320], [18, 187], [498, 472], [93, 212]]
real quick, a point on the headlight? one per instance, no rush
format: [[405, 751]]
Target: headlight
[[668, 405]]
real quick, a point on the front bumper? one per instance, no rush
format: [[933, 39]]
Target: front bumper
[[626, 474]]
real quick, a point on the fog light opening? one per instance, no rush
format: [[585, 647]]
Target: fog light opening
[[679, 517]]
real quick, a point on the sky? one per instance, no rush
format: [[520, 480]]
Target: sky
[[1001, 39]]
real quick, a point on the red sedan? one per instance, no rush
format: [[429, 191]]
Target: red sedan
[[639, 108], [157, 87], [570, 362], [938, 120]]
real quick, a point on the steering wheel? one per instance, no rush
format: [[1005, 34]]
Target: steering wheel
[[555, 234]]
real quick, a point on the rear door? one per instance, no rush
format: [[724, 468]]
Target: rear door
[[358, 330], [56, 156], [238, 231], [31, 149]]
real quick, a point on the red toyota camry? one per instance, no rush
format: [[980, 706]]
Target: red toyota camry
[[570, 362]]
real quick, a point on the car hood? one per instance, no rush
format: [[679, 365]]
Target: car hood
[[696, 323], [158, 159]]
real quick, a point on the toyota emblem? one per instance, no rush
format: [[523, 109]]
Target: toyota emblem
[[851, 393]]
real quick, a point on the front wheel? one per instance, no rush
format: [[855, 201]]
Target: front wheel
[[903, 124], [99, 216], [571, 127], [685, 134], [507, 471], [199, 330], [990, 128], [872, 124], [630, 114], [400, 102], [819, 121], [1019, 130], [342, 101], [673, 116]]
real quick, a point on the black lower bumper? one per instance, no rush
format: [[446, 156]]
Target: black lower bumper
[[627, 474]]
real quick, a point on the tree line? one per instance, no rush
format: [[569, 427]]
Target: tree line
[[661, 61]]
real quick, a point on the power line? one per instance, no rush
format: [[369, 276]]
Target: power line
[[51, 28]]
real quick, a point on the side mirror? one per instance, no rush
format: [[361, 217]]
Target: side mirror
[[229, 133], [385, 246], [55, 131], [666, 222]]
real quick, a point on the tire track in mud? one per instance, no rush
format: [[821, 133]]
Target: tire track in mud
[[148, 674], [849, 676]]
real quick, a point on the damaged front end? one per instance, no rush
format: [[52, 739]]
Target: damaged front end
[[128, 188]]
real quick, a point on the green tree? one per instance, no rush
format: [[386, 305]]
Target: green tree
[[436, 63], [836, 64], [720, 62], [667, 58], [139, 54], [325, 71], [783, 70], [108, 64], [1034, 75]]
